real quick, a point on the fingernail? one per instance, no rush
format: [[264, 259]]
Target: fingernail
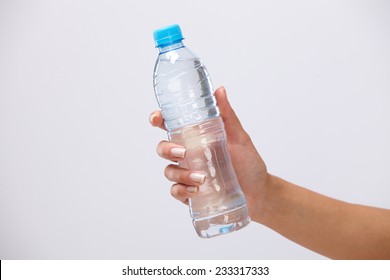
[[192, 189], [197, 177], [151, 118], [178, 152]]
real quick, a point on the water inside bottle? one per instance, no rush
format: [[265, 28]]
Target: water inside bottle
[[185, 94], [220, 205]]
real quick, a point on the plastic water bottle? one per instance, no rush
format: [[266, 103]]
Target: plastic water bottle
[[186, 97]]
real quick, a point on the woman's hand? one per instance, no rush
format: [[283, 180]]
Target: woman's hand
[[249, 166]]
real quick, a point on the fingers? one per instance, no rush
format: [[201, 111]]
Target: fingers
[[184, 176], [188, 185], [183, 193], [188, 182], [170, 151], [156, 119]]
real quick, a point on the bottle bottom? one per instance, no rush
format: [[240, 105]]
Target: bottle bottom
[[222, 223]]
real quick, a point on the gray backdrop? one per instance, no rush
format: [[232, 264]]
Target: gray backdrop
[[79, 176]]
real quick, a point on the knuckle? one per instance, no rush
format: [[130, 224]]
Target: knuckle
[[181, 175], [176, 174]]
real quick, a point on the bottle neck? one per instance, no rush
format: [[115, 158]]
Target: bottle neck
[[174, 46]]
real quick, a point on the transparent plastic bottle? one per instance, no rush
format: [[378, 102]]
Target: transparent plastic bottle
[[186, 97]]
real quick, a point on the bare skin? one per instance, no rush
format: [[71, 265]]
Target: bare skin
[[330, 227]]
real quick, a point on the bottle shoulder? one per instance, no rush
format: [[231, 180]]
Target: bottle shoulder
[[182, 53]]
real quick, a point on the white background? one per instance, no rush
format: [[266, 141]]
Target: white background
[[79, 176]]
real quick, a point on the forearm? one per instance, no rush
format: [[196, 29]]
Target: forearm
[[330, 227]]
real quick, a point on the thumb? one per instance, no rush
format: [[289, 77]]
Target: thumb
[[234, 130]]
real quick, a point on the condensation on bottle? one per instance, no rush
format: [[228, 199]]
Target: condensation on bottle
[[185, 95]]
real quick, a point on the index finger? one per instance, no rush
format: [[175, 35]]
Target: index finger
[[156, 119]]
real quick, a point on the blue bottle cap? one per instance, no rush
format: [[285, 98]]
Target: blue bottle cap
[[167, 35]]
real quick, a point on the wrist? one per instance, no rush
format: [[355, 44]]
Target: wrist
[[262, 201]]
